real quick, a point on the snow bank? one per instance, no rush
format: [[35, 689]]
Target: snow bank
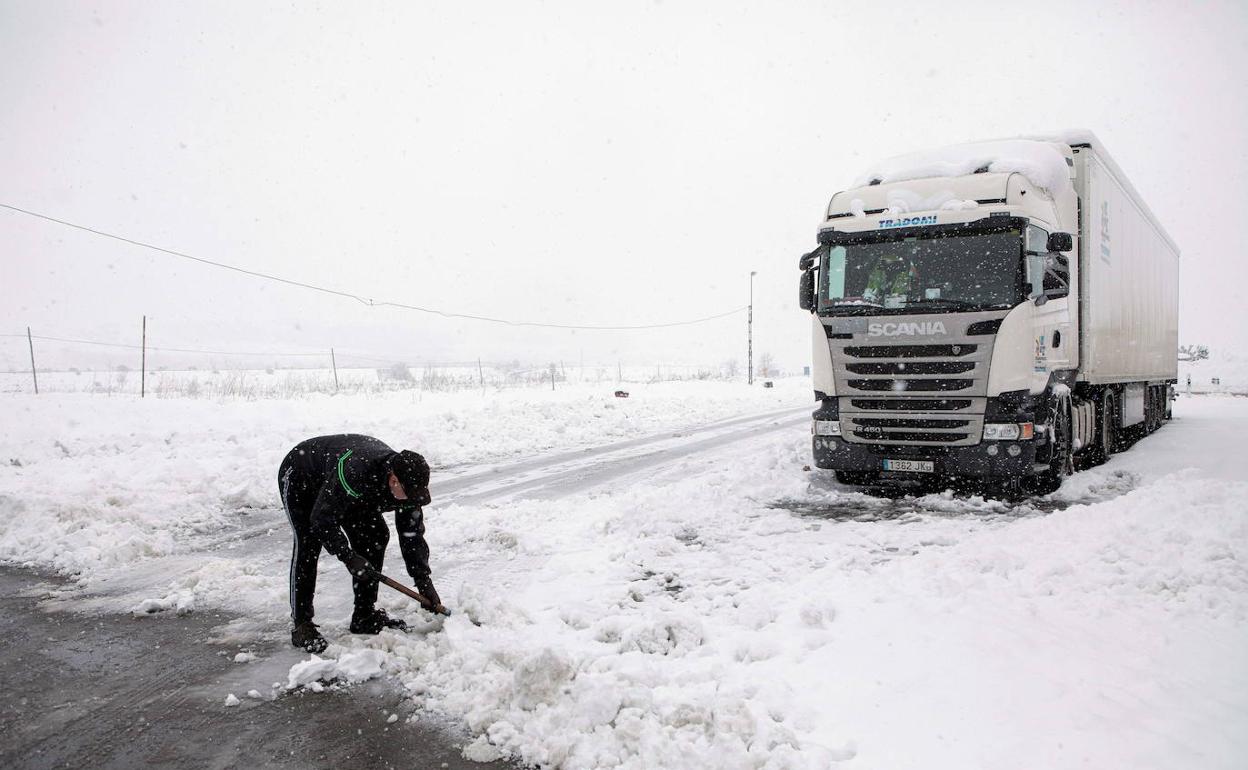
[[1040, 162]]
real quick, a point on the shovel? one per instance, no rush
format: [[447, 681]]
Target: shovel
[[424, 602]]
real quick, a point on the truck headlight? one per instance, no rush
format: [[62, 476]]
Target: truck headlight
[[1008, 431], [827, 427]]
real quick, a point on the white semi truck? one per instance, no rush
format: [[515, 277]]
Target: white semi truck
[[999, 311]]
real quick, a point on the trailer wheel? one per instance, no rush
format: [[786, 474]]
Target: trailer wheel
[[1061, 456], [1156, 414]]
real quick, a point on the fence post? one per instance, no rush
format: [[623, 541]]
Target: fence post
[[552, 376], [143, 363], [334, 363], [480, 372], [34, 374]]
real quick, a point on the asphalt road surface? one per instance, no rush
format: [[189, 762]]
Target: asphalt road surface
[[114, 691]]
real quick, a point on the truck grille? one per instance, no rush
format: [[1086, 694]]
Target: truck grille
[[901, 386], [910, 437], [907, 422], [894, 395], [910, 430], [909, 351], [912, 404], [913, 367]]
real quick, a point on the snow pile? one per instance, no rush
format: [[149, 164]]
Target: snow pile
[[354, 666], [183, 601], [1040, 162]]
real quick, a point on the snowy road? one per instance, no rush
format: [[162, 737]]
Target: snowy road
[[570, 472], [696, 598]]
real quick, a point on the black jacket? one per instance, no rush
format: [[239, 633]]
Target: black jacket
[[344, 477]]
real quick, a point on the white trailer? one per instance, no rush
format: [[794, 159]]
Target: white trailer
[[994, 310], [1129, 297]]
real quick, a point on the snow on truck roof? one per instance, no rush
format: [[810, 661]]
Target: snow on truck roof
[[1039, 161], [1037, 157]]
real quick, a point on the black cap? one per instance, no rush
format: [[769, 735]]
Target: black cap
[[411, 470]]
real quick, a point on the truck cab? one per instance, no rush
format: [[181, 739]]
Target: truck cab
[[945, 300]]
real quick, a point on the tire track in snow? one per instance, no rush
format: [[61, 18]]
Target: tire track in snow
[[569, 473]]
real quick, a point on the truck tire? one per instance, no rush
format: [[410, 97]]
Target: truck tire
[[1106, 431], [1061, 453]]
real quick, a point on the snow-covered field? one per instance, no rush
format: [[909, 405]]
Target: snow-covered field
[[1226, 371], [692, 598]]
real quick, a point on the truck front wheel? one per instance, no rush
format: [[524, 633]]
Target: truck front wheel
[[1061, 455]]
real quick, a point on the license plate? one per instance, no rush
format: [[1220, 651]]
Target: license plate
[[914, 466]]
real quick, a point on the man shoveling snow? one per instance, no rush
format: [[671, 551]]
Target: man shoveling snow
[[334, 489]]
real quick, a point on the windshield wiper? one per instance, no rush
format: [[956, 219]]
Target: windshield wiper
[[855, 307], [944, 302]]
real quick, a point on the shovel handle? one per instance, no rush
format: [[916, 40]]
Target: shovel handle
[[424, 601]]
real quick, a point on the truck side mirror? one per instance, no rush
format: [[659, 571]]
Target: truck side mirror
[[1060, 242], [806, 290]]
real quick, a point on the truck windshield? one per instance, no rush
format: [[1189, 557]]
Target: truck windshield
[[943, 272]]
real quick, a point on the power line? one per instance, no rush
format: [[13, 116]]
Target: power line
[[364, 300], [411, 362], [274, 354], [152, 347]]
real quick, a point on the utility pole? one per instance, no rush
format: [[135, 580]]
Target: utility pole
[[333, 361], [143, 363], [749, 333], [30, 341]]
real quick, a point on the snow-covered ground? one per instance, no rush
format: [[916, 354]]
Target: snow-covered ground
[[1225, 371], [694, 598]]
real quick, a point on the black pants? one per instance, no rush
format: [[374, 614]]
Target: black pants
[[368, 536]]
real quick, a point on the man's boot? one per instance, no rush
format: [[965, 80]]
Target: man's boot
[[306, 636], [373, 620]]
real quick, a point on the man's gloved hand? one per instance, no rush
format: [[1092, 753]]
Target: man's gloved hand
[[425, 586], [357, 565]]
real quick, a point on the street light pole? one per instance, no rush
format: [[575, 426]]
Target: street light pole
[[749, 333]]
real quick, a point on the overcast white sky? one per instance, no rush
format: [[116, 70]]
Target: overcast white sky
[[581, 163]]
